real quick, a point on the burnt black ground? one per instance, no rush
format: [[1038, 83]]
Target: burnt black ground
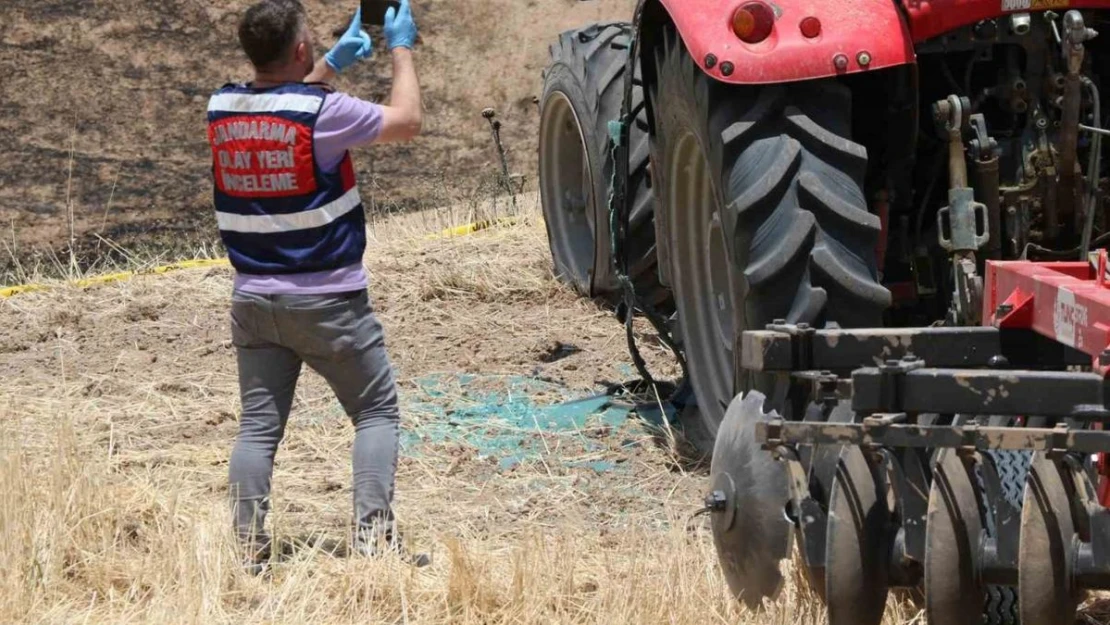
[[102, 112]]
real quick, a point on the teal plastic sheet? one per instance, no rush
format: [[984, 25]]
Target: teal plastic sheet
[[512, 419]]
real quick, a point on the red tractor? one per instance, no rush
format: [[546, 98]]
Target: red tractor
[[869, 229]]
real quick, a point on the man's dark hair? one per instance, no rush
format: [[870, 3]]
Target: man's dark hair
[[269, 29]]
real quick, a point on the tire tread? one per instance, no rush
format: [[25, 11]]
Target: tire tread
[[596, 55]]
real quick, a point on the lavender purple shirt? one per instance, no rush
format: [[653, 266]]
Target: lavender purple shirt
[[345, 122]]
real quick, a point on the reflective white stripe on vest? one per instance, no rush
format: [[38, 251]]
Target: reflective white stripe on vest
[[264, 103], [270, 224]]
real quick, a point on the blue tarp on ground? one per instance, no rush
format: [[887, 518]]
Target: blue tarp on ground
[[510, 418]]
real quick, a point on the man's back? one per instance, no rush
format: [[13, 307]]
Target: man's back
[[291, 217]]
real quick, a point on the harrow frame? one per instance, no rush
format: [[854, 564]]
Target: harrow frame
[[920, 399]]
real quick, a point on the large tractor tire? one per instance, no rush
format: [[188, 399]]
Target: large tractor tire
[[583, 92], [762, 217], [760, 194]]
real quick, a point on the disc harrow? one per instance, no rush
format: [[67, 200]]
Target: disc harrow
[[973, 458]]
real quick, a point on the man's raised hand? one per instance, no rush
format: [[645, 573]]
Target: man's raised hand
[[400, 29], [355, 45]]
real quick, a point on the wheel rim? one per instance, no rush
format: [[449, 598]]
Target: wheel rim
[[567, 188], [706, 293]]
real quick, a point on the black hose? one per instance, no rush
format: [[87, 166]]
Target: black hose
[[1093, 167], [967, 75], [951, 78], [619, 216], [1062, 254], [928, 195]]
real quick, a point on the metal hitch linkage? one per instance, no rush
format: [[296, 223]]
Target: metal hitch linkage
[[961, 238]]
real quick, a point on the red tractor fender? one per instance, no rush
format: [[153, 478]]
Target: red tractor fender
[[855, 36]]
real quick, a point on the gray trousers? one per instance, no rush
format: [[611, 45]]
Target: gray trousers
[[340, 338]]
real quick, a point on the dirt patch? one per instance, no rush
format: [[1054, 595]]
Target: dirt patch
[[102, 119]]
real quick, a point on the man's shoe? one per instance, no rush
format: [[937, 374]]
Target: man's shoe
[[374, 544], [256, 569], [257, 561]]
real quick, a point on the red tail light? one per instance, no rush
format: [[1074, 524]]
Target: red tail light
[[753, 21], [811, 27]]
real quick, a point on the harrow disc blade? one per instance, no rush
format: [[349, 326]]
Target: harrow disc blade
[[821, 462], [1046, 594], [857, 552], [953, 593], [752, 534]]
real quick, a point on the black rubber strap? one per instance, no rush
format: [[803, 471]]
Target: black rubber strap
[[619, 217]]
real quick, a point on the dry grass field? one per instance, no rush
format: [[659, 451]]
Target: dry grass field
[[118, 407], [119, 403]]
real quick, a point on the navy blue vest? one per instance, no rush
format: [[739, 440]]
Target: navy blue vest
[[278, 212]]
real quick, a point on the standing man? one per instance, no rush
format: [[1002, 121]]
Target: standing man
[[291, 218]]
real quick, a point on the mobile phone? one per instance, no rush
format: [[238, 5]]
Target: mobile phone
[[373, 11], [373, 16]]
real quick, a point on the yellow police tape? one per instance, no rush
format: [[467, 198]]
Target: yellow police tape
[[117, 277], [471, 228], [457, 231]]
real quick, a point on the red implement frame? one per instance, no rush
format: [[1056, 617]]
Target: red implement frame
[[1068, 302]]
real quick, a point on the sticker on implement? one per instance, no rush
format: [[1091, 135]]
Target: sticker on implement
[[1034, 5], [1067, 316]]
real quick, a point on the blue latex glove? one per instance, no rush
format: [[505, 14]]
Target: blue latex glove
[[400, 29], [355, 45]]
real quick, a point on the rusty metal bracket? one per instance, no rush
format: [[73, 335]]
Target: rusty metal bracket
[[907, 478], [998, 553], [770, 434], [968, 300], [801, 341], [962, 214], [891, 384], [804, 512], [1092, 562], [880, 420], [983, 147]]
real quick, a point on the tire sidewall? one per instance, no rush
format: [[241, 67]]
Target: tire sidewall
[[561, 79]]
